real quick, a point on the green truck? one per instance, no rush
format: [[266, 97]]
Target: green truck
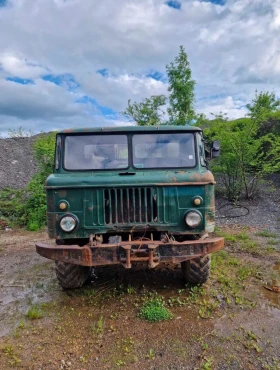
[[128, 195]]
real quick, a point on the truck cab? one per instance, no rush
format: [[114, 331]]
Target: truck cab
[[125, 195]]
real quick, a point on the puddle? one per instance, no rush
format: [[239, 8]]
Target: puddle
[[22, 287], [273, 297]]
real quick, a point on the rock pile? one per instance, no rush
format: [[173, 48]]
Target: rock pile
[[17, 164]]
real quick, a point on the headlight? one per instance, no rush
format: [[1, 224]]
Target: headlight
[[68, 223], [193, 219]]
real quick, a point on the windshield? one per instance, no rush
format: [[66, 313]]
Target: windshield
[[163, 150], [95, 152]]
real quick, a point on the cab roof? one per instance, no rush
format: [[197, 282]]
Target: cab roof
[[128, 129]]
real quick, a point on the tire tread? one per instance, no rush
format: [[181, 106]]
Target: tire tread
[[197, 270], [71, 276]]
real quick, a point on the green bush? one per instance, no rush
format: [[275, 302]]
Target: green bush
[[250, 147], [155, 310], [27, 207]]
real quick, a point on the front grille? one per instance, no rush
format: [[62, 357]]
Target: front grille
[[130, 206], [133, 205]]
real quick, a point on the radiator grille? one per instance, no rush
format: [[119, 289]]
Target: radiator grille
[[133, 205]]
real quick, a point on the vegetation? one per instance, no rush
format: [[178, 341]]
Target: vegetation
[[34, 313], [249, 149], [181, 88], [250, 145], [151, 111], [27, 207], [147, 113], [154, 310]]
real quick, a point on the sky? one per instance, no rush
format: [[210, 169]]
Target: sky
[[75, 63]]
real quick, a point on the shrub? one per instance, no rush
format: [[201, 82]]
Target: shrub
[[27, 207]]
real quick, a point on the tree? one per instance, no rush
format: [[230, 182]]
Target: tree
[[181, 88], [262, 106], [146, 113], [264, 112], [151, 111]]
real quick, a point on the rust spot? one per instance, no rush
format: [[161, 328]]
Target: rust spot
[[125, 253], [50, 203], [62, 193]]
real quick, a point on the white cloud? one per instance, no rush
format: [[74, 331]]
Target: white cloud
[[228, 105], [20, 67], [233, 50], [115, 91]]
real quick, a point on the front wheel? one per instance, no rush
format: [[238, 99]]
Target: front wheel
[[71, 276], [197, 270]]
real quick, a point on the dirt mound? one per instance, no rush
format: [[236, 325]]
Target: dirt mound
[[17, 164]]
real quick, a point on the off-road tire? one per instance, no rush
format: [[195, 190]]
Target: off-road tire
[[197, 270], [71, 276]]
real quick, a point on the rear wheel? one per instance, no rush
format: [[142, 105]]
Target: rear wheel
[[197, 270], [71, 276]]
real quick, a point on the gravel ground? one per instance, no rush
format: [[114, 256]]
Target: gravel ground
[[233, 324], [262, 212], [17, 164]]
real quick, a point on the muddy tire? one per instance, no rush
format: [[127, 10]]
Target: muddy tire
[[71, 276], [197, 270]]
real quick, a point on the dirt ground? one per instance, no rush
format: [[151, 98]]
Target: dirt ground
[[232, 322]]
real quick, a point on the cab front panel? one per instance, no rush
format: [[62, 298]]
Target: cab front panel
[[128, 209]]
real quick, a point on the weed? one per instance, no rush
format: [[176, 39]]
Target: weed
[[21, 325], [248, 245], [83, 359], [34, 312], [98, 327], [244, 272], [150, 355], [207, 308], [155, 310], [274, 365], [120, 363], [195, 293], [228, 237], [207, 364], [272, 241], [266, 233], [11, 355], [130, 289], [242, 236], [251, 335]]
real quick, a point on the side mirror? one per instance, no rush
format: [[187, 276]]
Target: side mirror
[[215, 149]]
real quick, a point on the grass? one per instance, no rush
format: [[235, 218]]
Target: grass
[[34, 313], [248, 245], [98, 327], [242, 236], [12, 357], [228, 236], [272, 242], [154, 310], [266, 234]]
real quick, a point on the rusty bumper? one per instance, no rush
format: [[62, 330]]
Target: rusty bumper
[[125, 253]]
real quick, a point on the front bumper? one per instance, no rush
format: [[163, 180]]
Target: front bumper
[[125, 253]]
